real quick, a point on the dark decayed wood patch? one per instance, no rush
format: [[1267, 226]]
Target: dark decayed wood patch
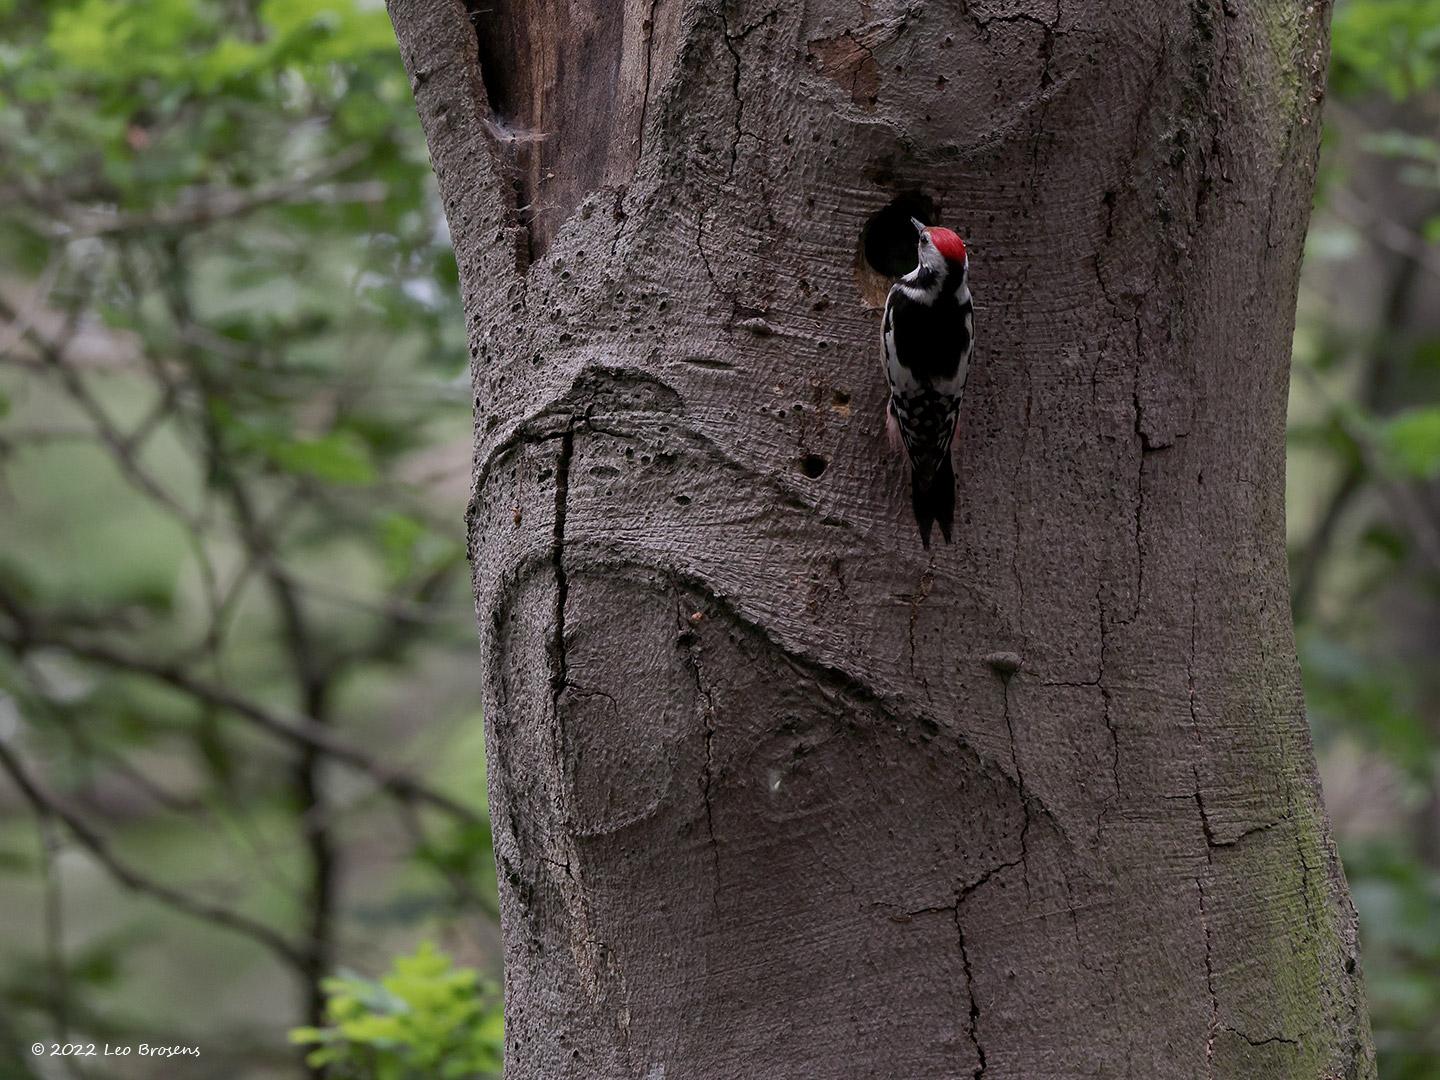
[[568, 87]]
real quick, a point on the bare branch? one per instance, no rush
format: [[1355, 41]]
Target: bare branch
[[1399, 495], [120, 445], [1383, 230], [23, 321], [201, 206], [132, 879], [299, 731]]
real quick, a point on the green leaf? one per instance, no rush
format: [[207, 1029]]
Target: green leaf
[[424, 1019], [337, 458], [1412, 442], [1385, 45]]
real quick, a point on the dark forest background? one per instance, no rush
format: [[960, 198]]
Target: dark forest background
[[242, 797]]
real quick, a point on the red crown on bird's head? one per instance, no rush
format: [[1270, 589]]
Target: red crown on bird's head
[[948, 243]]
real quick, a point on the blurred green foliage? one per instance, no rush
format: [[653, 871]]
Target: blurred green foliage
[[1385, 45], [1365, 504], [234, 449], [426, 1020]]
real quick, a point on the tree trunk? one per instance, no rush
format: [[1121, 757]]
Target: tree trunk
[[775, 793]]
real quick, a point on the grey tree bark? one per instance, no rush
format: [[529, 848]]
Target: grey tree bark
[[776, 794]]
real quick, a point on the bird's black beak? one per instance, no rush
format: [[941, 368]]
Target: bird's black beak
[[919, 225]]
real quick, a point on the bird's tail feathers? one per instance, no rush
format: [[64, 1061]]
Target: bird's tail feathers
[[934, 500]]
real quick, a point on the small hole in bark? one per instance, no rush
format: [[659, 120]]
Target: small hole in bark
[[683, 500], [814, 466], [841, 397]]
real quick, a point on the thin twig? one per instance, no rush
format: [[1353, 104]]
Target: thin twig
[[132, 879], [1399, 495], [201, 206], [52, 354], [24, 320], [296, 730]]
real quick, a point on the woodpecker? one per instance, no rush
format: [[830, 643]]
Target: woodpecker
[[928, 334]]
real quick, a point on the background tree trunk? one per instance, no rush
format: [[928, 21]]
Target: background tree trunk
[[769, 799]]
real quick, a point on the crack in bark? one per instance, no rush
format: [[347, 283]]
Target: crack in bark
[[1194, 715], [1020, 784], [1245, 834], [705, 255], [1207, 831], [734, 52], [961, 895], [1211, 837], [1261, 1042], [918, 597], [559, 663], [1214, 1026], [1205, 826], [557, 557], [973, 1029], [649, 29], [983, 23], [687, 637], [966, 891], [1047, 52], [1305, 881], [1139, 503], [619, 217]]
